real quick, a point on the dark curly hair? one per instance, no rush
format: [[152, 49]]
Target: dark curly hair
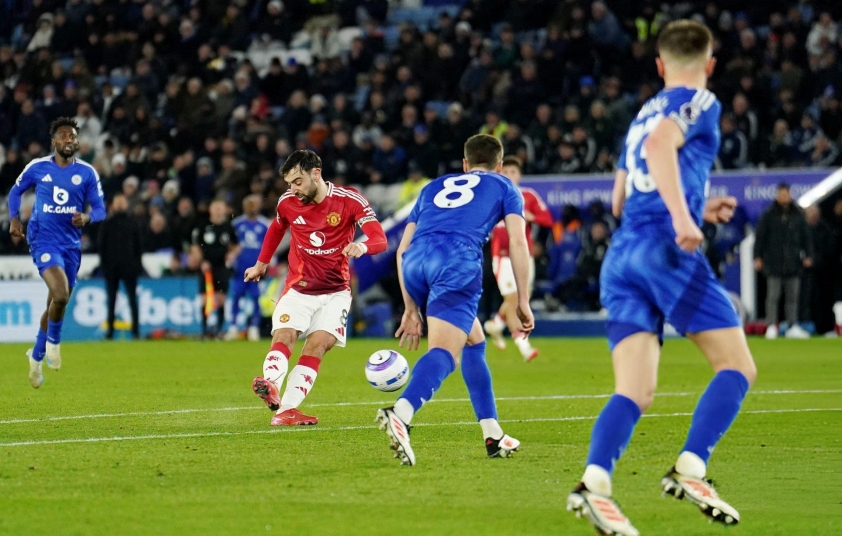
[[304, 159], [62, 122]]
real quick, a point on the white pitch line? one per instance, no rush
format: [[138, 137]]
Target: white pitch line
[[369, 427], [380, 403]]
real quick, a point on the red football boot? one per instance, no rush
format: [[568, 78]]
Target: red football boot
[[293, 417]]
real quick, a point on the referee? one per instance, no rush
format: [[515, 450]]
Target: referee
[[215, 243]]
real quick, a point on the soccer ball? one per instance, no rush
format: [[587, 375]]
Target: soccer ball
[[387, 370]]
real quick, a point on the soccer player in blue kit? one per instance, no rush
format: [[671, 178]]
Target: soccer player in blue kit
[[63, 186], [251, 229], [440, 272], [654, 272]]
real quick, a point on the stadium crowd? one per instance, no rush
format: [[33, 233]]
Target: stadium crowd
[[180, 103]]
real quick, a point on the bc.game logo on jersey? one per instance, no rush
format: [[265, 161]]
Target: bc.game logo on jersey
[[60, 197]]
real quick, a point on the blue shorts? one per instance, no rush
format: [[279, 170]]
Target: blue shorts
[[241, 288], [648, 279], [445, 280], [67, 258]]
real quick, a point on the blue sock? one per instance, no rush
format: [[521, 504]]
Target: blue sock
[[427, 376], [715, 412], [478, 379], [255, 312], [54, 331], [40, 349], [612, 431]]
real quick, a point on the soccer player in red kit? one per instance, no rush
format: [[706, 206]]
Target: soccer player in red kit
[[322, 219], [535, 212]]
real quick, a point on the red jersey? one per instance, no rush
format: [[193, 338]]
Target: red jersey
[[319, 233], [533, 204]]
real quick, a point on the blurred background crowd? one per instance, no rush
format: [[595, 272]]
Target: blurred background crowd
[[180, 103]]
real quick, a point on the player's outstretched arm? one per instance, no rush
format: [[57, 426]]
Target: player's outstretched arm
[[411, 326], [662, 159], [618, 195], [519, 255], [539, 212], [274, 235]]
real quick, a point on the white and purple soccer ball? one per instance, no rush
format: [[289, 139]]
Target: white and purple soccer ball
[[387, 370]]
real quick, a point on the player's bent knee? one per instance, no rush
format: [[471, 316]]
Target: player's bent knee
[[642, 398], [60, 297]]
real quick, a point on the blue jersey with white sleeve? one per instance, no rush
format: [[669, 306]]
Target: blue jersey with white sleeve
[[646, 279], [454, 214], [465, 205], [250, 234], [60, 192], [696, 112]]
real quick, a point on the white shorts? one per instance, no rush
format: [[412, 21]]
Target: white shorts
[[313, 312], [505, 275]]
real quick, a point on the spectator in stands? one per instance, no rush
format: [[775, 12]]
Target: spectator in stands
[[804, 139], [733, 148], [423, 152], [158, 235], [825, 153], [567, 161], [120, 249], [10, 170], [782, 249], [777, 152], [389, 160], [817, 297], [584, 286], [412, 186]]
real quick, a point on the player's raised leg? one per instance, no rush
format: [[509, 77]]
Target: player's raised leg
[[301, 379], [635, 375], [445, 343], [477, 378], [60, 289], [735, 372], [275, 367]]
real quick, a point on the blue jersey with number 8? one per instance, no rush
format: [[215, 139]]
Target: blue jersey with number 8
[[696, 112], [468, 205]]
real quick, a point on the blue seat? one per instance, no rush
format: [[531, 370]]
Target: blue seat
[[391, 35]]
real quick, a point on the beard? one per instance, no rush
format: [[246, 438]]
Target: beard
[[67, 150], [308, 197]]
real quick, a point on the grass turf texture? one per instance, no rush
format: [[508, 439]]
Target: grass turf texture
[[222, 470]]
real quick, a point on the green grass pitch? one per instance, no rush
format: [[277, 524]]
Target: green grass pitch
[[167, 438]]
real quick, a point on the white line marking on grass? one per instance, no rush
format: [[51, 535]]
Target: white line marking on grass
[[368, 427], [380, 403]]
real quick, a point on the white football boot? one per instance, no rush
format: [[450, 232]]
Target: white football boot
[[53, 356], [495, 331], [398, 433], [700, 492], [504, 447], [772, 332], [603, 513], [796, 332], [36, 376], [253, 333]]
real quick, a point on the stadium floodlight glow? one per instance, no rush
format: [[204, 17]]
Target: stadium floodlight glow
[[823, 189]]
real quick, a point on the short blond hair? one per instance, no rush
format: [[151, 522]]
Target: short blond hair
[[685, 41]]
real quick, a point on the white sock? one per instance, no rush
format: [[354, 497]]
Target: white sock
[[690, 464], [498, 321], [597, 480], [300, 382], [491, 428], [404, 410], [275, 367]]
